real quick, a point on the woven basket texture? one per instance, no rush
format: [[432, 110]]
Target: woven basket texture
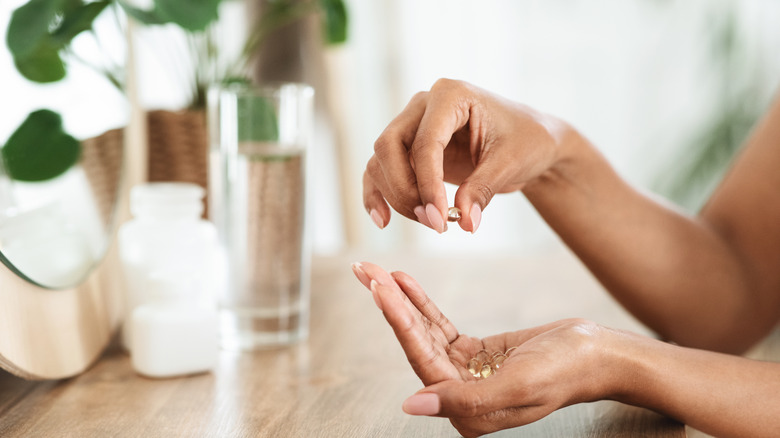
[[178, 147]]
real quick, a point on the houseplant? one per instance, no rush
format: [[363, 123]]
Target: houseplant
[[40, 36], [40, 39], [177, 141]]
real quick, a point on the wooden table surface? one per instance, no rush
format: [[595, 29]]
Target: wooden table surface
[[349, 379]]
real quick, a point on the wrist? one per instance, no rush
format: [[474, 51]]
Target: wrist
[[574, 155], [632, 364], [615, 366]]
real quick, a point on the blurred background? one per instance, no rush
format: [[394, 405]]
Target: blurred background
[[667, 89]]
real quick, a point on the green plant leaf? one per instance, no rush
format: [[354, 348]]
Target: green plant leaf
[[335, 21], [40, 149], [29, 26], [192, 15], [257, 119], [42, 65], [34, 51], [77, 20], [142, 16]]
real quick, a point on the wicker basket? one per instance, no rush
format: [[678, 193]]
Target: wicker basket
[[178, 147], [101, 159]]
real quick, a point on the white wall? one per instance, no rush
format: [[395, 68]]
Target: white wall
[[635, 76]]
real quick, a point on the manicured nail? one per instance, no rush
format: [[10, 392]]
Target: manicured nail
[[361, 275], [422, 404], [422, 217], [476, 217], [377, 219], [374, 293], [435, 218]]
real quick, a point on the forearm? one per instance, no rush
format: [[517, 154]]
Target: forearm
[[723, 395], [670, 270]]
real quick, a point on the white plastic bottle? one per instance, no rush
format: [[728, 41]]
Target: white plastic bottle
[[167, 234], [171, 334]]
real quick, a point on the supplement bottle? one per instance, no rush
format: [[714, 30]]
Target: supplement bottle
[[167, 234]]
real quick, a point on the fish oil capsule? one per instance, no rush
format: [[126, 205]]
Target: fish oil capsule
[[486, 371], [482, 356], [453, 214], [474, 366], [497, 361]]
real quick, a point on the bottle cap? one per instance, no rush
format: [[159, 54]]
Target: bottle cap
[[168, 199]]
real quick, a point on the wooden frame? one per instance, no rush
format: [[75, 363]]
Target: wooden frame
[[53, 334]]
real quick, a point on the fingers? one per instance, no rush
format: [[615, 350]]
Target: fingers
[[368, 272], [423, 303], [365, 272], [428, 358], [443, 116], [479, 407], [375, 203], [424, 343], [389, 172], [473, 398]]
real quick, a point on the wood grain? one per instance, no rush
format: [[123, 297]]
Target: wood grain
[[348, 380], [46, 334]]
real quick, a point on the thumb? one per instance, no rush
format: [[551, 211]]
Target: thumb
[[473, 195], [477, 407], [453, 398]]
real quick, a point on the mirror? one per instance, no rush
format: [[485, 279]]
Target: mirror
[[61, 140], [63, 173]]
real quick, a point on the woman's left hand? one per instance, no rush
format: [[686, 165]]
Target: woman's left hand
[[550, 366]]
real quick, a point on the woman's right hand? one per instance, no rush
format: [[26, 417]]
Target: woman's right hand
[[463, 135]]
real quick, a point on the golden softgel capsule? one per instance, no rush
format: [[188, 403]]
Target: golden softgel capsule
[[484, 364], [453, 214], [474, 367], [486, 371]]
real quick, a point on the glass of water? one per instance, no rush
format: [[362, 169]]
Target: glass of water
[[259, 137]]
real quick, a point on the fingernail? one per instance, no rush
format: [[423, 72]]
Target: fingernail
[[435, 218], [422, 404], [377, 219], [375, 293], [476, 217], [422, 217], [361, 275]]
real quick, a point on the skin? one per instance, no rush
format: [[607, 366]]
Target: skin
[[567, 362], [708, 281]]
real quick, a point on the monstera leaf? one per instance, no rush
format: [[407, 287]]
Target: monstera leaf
[[40, 149]]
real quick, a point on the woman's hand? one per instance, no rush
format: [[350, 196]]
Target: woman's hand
[[463, 135], [551, 366]]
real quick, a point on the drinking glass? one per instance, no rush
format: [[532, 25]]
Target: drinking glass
[[259, 136]]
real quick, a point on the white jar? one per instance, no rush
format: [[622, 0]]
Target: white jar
[[167, 234], [171, 335]]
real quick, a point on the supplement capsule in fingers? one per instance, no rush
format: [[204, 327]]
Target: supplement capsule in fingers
[[453, 214]]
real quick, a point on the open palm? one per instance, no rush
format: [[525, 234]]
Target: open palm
[[549, 367], [433, 346]]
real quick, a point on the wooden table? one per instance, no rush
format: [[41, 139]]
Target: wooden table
[[350, 378]]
